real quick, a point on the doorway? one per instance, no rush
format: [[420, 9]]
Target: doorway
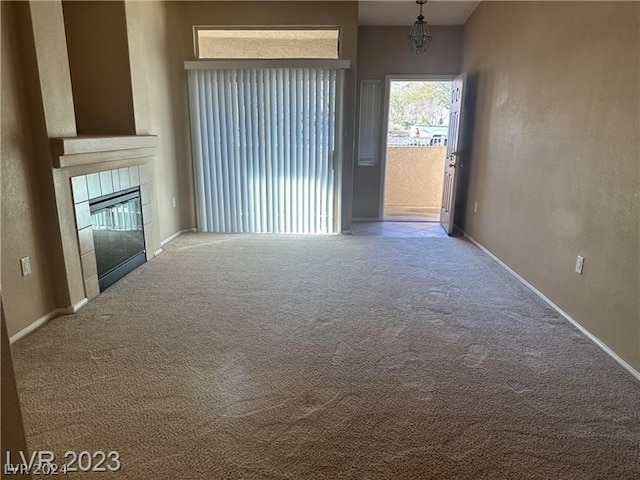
[[416, 148]]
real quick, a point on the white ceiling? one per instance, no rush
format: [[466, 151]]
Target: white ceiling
[[404, 12]]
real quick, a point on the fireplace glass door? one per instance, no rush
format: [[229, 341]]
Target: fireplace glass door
[[118, 235]]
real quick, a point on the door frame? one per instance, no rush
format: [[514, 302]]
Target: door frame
[[385, 124], [338, 152]]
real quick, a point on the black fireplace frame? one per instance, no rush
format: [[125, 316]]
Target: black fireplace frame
[[127, 266]]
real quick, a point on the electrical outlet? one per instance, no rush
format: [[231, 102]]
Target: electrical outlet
[[579, 264], [173, 202], [25, 265], [475, 207]]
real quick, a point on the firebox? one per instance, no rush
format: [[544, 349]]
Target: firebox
[[118, 235]]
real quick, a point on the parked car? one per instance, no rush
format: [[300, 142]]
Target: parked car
[[429, 131], [438, 141]]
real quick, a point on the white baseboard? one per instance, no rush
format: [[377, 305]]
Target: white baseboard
[[176, 235], [76, 307], [44, 319], [568, 317], [37, 324]]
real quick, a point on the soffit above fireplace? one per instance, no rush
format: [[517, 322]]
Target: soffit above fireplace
[[85, 150]]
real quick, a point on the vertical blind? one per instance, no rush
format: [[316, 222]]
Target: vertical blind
[[263, 143], [369, 124]]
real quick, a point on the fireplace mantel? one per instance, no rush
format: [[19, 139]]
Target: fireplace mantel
[[85, 150]]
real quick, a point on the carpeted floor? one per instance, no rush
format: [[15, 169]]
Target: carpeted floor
[[328, 357]]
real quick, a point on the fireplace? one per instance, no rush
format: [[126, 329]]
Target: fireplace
[[115, 224], [89, 169], [118, 235]]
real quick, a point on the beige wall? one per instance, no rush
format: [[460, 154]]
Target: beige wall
[[99, 62], [38, 104], [47, 74], [149, 42], [556, 154], [383, 51], [184, 15], [12, 437], [23, 212], [414, 176], [160, 39], [156, 78]]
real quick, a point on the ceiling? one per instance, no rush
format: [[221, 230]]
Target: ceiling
[[404, 12]]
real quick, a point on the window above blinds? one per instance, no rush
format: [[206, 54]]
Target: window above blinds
[[369, 124], [226, 43]]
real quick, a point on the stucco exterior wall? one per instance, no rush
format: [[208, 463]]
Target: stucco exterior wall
[[414, 176]]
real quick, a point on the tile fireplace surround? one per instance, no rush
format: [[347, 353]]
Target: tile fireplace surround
[[86, 168], [86, 188]]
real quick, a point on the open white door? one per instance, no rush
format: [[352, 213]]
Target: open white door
[[453, 161]]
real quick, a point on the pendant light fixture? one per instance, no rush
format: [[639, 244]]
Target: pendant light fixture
[[420, 36]]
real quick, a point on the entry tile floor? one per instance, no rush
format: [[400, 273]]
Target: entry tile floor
[[412, 214], [398, 229]]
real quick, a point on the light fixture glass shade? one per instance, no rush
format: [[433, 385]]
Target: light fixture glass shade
[[420, 36]]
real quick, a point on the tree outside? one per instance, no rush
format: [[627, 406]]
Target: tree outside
[[419, 103]]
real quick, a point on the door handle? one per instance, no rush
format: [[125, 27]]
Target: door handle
[[453, 156]]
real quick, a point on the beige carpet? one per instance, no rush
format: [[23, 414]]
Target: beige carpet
[[292, 357]]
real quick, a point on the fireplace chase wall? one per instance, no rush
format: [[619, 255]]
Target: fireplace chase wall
[[86, 168]]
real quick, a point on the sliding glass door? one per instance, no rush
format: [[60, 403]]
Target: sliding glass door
[[265, 148]]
